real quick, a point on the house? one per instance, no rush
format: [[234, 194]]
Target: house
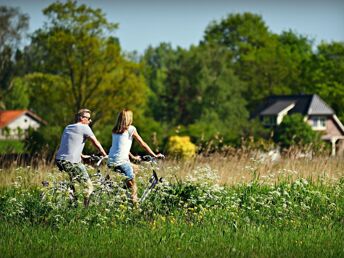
[[14, 124], [316, 113]]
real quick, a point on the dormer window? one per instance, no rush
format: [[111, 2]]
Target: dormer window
[[319, 122]]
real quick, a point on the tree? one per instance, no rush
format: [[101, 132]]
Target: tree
[[299, 52], [17, 96], [240, 33], [76, 61], [269, 64], [13, 26], [326, 69], [197, 89]]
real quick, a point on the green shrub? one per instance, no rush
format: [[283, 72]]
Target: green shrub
[[11, 146], [294, 131]]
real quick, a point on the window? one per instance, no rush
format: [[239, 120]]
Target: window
[[269, 120], [319, 122]]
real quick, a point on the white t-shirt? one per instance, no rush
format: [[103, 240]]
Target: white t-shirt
[[121, 144]]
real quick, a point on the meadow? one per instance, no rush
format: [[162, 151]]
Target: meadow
[[222, 206]]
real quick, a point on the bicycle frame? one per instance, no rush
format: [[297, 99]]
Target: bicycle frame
[[153, 181]]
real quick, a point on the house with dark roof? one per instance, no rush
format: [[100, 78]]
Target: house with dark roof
[[14, 124], [316, 113]]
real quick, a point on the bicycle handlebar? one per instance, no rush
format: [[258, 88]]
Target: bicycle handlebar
[[98, 159], [149, 158]]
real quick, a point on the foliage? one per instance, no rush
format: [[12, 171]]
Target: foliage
[[181, 147], [44, 141], [195, 88], [240, 33], [327, 67], [193, 200], [294, 131], [75, 61], [295, 217], [13, 26], [269, 64], [11, 146], [17, 95], [76, 55]]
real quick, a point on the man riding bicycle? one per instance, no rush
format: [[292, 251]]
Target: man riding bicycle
[[68, 157]]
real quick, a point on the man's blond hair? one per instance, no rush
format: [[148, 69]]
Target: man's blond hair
[[81, 113]]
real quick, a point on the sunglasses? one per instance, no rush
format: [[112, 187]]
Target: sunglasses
[[88, 118]]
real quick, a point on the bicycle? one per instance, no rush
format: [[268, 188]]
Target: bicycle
[[108, 186], [105, 188], [60, 193], [154, 179]]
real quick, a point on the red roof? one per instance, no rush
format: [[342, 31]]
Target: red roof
[[7, 116]]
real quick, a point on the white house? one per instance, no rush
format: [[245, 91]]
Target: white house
[[14, 124]]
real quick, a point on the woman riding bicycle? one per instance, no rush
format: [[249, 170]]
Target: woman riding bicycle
[[123, 134]]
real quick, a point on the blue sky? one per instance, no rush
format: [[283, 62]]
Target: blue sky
[[182, 22]]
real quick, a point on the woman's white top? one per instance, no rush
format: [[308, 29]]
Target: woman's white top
[[121, 144]]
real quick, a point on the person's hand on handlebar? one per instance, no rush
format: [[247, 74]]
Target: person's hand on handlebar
[[160, 156], [83, 156], [136, 158]]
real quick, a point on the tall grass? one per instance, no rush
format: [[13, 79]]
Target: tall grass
[[231, 170]]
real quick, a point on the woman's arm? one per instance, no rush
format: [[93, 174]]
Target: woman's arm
[[145, 145]]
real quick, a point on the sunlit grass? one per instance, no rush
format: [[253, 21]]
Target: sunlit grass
[[206, 207], [231, 170]]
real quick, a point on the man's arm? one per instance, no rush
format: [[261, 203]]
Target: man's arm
[[97, 144]]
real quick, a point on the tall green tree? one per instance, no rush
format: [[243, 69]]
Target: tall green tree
[[298, 49], [326, 75], [240, 33], [269, 64], [76, 60], [197, 89]]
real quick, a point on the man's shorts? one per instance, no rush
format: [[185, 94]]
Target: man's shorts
[[76, 171], [126, 169]]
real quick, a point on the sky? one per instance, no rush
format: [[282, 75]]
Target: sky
[[144, 23]]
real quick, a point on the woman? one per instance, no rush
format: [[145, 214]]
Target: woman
[[123, 134]]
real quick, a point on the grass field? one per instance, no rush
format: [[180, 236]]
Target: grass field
[[215, 206], [166, 240]]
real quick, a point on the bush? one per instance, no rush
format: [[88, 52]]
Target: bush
[[44, 141], [12, 146], [181, 147], [294, 131]]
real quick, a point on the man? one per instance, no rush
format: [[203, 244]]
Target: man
[[68, 157]]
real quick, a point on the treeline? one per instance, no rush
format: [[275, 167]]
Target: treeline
[[207, 91]]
